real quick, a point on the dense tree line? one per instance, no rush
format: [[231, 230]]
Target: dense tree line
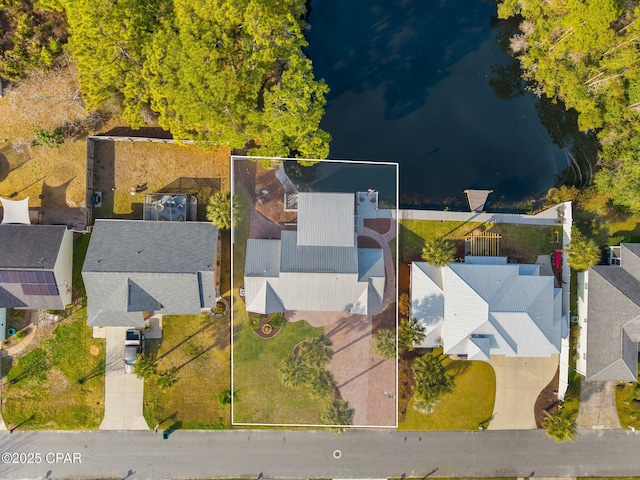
[[214, 71], [586, 54], [31, 37]]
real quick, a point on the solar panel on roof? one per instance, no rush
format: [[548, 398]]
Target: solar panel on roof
[[32, 283]]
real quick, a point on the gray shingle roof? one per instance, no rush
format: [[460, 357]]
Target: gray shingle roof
[[326, 219], [30, 246], [134, 266], [613, 308]]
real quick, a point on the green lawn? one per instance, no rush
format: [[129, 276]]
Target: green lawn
[[80, 246], [261, 396], [628, 408], [526, 242], [413, 234], [522, 242], [470, 403], [60, 384], [198, 345]]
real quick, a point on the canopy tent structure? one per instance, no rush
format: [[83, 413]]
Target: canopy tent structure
[[15, 211], [477, 199]]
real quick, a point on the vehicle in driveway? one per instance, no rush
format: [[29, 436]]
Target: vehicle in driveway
[[133, 346]]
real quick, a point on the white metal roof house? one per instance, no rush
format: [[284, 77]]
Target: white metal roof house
[[487, 307], [319, 266], [134, 268]]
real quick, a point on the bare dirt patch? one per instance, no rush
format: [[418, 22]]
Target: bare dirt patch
[[120, 166]]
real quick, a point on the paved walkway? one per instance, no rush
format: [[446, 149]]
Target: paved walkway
[[598, 406], [123, 392], [519, 381]]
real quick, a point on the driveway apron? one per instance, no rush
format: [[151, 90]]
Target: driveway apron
[[519, 381], [598, 405], [123, 392]]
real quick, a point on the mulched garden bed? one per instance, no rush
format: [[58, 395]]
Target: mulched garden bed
[[262, 332], [406, 381], [547, 400], [380, 225], [367, 242]]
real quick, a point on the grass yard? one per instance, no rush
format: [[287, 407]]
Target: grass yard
[[522, 242], [413, 234], [470, 403], [198, 346], [628, 408], [261, 396], [165, 168], [60, 384], [526, 242]]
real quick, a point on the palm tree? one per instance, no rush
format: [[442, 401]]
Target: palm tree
[[294, 371], [316, 353], [561, 427], [168, 378], [438, 252], [411, 332], [338, 412], [219, 210], [145, 367], [386, 342], [404, 304], [583, 252], [323, 384], [432, 381]]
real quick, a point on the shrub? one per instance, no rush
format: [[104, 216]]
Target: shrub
[[277, 320], [49, 138]]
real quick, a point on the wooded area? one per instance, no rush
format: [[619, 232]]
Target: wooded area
[[215, 72], [586, 54]]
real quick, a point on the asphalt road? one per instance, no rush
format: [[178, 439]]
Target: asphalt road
[[304, 454]]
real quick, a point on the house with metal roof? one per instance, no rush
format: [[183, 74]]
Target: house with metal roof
[[35, 266], [486, 307], [609, 312], [318, 266], [134, 269]]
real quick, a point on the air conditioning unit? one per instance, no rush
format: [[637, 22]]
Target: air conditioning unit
[[574, 319]]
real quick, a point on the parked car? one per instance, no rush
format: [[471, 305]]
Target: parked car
[[133, 346]]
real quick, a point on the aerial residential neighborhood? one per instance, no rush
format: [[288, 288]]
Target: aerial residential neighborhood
[[319, 239]]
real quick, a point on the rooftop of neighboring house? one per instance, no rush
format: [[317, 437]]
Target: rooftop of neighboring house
[[134, 266], [486, 307], [613, 318]]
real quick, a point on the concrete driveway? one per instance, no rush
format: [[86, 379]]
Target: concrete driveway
[[598, 405], [519, 381], [123, 392]]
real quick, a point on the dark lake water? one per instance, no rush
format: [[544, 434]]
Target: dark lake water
[[410, 83]]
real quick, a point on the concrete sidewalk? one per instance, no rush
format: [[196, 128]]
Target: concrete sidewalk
[[123, 392]]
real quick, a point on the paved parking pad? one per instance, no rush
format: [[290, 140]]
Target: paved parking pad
[[123, 392], [519, 381]]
